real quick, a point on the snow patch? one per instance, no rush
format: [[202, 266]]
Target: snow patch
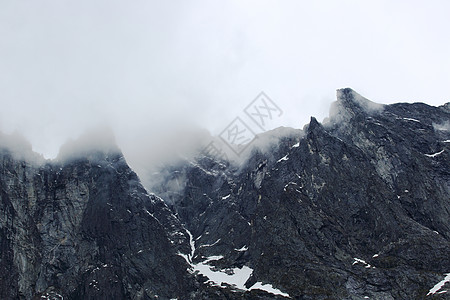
[[435, 154], [212, 258], [358, 260], [409, 119], [54, 296], [191, 243], [288, 185], [268, 288], [233, 276], [296, 145], [244, 248], [283, 158], [210, 245], [189, 257], [439, 285], [236, 277], [226, 197]]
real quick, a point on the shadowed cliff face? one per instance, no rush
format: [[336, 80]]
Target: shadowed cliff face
[[85, 229], [358, 207], [354, 208]]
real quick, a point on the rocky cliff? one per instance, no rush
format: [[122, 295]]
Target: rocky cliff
[[85, 229], [357, 207]]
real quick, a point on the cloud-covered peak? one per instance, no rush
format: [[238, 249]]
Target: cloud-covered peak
[[19, 147], [350, 104], [95, 143], [351, 100]]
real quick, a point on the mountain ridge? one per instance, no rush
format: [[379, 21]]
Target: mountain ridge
[[370, 162], [354, 207]]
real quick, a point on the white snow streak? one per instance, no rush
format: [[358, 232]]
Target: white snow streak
[[189, 257], [439, 285], [409, 119], [358, 260], [283, 158], [268, 288], [435, 154], [210, 245], [288, 185], [192, 244], [244, 248], [149, 213]]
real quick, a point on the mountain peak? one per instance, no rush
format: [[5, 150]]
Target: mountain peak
[[19, 147], [94, 144], [353, 101], [314, 125], [349, 104]]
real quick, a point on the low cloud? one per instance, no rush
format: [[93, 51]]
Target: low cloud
[[100, 140], [20, 148], [348, 104]]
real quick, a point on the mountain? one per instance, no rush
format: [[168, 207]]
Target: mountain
[[85, 229], [357, 207]]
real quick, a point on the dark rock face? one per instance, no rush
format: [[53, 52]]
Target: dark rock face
[[357, 207], [86, 229]]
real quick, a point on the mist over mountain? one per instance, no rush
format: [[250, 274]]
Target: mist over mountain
[[355, 207], [199, 150], [150, 69]]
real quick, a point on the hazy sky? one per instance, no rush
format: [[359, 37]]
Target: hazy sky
[[150, 68]]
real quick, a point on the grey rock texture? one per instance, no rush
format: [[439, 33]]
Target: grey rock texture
[[86, 229], [355, 208]]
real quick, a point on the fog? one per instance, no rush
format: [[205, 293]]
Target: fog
[[165, 76]]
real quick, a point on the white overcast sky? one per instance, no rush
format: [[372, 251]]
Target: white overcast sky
[[150, 67]]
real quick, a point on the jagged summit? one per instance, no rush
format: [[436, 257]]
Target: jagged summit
[[313, 125], [95, 144], [355, 209], [343, 212], [351, 100], [349, 104]]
